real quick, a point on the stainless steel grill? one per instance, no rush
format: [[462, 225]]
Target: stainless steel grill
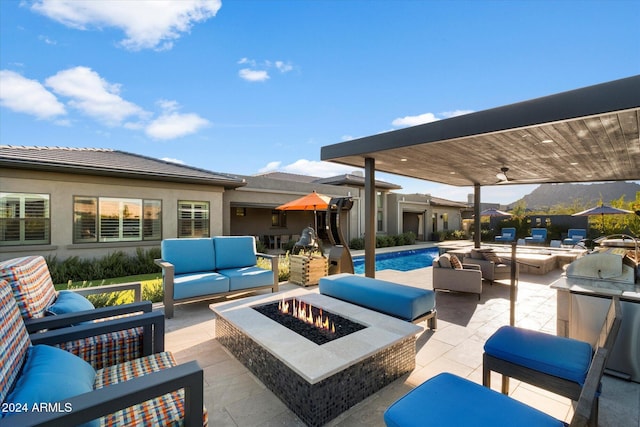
[[610, 270]]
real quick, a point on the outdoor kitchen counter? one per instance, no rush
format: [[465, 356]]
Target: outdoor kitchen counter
[[581, 307]]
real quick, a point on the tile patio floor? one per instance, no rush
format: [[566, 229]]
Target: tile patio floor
[[234, 397]]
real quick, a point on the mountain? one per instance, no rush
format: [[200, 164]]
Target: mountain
[[582, 195]]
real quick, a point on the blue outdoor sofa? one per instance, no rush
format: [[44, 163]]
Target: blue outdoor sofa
[[202, 268]]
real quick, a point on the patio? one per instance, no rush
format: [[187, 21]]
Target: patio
[[234, 397]]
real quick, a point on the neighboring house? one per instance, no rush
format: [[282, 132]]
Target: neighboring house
[[91, 202], [423, 215], [252, 208]]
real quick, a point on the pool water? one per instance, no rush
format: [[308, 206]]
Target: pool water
[[402, 260]]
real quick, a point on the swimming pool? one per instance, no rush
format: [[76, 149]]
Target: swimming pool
[[401, 260]]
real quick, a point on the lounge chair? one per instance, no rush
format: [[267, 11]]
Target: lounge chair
[[508, 235], [538, 236], [574, 236], [46, 386], [43, 308]]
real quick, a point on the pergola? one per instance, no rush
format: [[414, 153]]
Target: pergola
[[584, 135]]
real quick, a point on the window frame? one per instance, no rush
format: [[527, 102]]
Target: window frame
[[24, 220], [181, 222]]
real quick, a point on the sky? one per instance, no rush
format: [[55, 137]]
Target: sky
[[247, 87]]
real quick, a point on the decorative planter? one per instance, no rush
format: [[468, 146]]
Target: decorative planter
[[307, 270]]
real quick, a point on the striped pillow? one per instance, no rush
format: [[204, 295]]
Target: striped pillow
[[14, 340], [31, 284]]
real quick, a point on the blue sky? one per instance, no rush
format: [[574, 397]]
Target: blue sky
[[246, 87]]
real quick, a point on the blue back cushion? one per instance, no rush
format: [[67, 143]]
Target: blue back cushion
[[69, 302], [235, 251], [189, 255]]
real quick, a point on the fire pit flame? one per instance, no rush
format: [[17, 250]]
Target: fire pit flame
[[304, 312]]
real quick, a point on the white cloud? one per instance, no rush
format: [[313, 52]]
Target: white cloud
[[415, 120], [174, 125], [455, 113], [94, 96], [283, 67], [427, 118], [309, 167], [28, 96], [172, 160], [153, 24], [253, 75]]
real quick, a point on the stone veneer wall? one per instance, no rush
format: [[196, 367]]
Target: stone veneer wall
[[317, 404]]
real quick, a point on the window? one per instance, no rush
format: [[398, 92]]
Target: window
[[24, 219], [193, 219], [380, 211], [445, 221], [109, 219], [278, 218]]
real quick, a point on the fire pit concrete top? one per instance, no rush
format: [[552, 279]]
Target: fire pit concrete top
[[311, 361]]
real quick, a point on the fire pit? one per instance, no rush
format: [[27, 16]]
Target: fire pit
[[311, 322], [317, 381]]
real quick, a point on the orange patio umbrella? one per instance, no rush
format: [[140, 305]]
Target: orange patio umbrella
[[310, 202]]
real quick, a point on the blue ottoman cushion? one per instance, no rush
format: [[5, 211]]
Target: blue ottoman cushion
[[405, 302], [558, 356], [448, 400]]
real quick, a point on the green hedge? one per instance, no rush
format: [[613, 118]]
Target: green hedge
[[385, 241], [116, 264]]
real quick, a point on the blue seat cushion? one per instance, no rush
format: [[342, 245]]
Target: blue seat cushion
[[49, 375], [405, 302], [189, 255], [247, 277], [198, 284], [235, 251], [448, 400], [69, 302], [558, 356]]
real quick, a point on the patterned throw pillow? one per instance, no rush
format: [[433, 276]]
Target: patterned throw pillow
[[492, 256], [455, 262], [445, 261]]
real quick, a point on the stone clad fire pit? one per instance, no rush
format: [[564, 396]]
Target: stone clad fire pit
[[317, 381]]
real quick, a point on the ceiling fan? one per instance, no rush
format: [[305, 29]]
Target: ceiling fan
[[504, 179]]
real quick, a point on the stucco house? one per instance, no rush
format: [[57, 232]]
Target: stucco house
[[89, 202]]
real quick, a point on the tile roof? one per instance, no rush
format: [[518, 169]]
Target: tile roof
[[107, 162], [345, 179]]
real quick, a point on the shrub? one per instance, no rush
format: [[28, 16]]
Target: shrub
[[116, 264], [356, 244]]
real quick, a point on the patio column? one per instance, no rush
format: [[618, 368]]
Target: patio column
[[369, 217], [476, 215]]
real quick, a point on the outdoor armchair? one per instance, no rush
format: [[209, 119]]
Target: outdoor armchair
[[492, 266], [449, 274], [43, 308], [538, 235], [575, 235], [152, 390], [508, 235]]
